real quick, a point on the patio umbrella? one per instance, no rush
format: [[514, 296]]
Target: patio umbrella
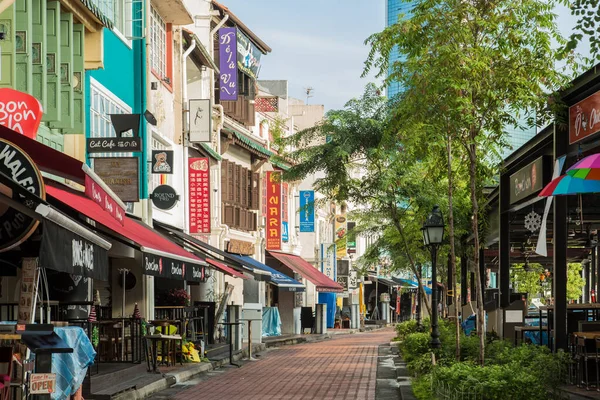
[[587, 168], [567, 184]]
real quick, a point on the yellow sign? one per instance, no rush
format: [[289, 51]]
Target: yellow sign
[[341, 232]]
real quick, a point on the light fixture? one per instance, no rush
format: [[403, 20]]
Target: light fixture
[[433, 228], [150, 118]]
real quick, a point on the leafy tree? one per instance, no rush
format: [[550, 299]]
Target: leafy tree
[[587, 13], [480, 65]]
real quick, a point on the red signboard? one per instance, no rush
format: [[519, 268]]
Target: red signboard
[[199, 185], [95, 192], [584, 118], [273, 210], [20, 112]]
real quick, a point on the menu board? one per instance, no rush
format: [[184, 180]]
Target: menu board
[[29, 280], [199, 188]]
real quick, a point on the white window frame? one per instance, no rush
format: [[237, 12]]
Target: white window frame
[[102, 125], [158, 44], [115, 10]]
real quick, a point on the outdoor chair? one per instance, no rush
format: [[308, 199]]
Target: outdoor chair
[[6, 360], [597, 341], [575, 361], [585, 357]]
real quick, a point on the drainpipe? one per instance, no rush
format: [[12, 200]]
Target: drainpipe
[[219, 25], [186, 112], [4, 4]]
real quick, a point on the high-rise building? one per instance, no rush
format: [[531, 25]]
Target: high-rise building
[[394, 10]]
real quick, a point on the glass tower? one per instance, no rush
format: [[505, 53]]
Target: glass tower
[[394, 10]]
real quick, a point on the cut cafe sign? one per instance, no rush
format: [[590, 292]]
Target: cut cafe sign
[[16, 227], [584, 118]]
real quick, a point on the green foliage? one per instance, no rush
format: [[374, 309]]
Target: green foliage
[[415, 345], [575, 282], [587, 13], [405, 328], [529, 281]]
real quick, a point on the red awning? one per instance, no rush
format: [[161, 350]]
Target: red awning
[[302, 267], [147, 238], [46, 158], [224, 268]]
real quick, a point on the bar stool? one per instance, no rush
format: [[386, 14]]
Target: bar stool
[[585, 357]]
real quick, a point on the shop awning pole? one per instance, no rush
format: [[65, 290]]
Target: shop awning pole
[[124, 273]]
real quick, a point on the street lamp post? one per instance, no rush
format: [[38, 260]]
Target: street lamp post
[[433, 235]]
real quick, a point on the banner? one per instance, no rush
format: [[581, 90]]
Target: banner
[[285, 236], [199, 188], [228, 64], [351, 241], [273, 210], [341, 230], [328, 260], [307, 211]]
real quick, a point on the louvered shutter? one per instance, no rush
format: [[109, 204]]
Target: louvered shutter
[[230, 182], [237, 184], [224, 186], [244, 188], [228, 215], [255, 191]]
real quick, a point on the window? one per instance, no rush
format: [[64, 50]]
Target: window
[[158, 44], [102, 103], [239, 196], [118, 11]]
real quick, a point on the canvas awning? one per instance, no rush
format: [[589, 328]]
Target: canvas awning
[[297, 264]]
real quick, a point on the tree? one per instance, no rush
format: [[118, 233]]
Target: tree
[[587, 13], [482, 65]]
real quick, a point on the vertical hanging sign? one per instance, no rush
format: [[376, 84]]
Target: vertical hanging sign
[[273, 210], [228, 64], [307, 211], [199, 187]]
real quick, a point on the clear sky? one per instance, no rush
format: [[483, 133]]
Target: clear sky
[[319, 43]]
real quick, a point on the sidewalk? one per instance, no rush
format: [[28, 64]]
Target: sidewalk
[[393, 380], [180, 375]]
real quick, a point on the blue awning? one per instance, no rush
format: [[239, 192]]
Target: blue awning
[[412, 284], [277, 278]]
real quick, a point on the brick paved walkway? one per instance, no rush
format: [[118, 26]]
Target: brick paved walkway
[[341, 368]]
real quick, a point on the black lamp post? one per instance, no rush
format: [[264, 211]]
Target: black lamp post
[[433, 235]]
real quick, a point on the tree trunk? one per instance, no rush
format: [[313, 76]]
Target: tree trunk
[[472, 150], [413, 266], [452, 271]]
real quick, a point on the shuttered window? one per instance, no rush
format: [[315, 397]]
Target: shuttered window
[[284, 202], [240, 194], [255, 191], [224, 181]]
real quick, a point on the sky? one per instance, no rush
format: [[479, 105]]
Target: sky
[[320, 43]]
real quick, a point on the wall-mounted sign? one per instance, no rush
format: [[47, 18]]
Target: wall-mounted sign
[[285, 235], [273, 210], [164, 197], [20, 112], [248, 56], [341, 229], [127, 127], [95, 192], [240, 247], [584, 118], [328, 260], [62, 250], [121, 174], [42, 383], [16, 227], [28, 290], [228, 84], [307, 211], [162, 161], [165, 267], [351, 240], [527, 181], [343, 268], [199, 189], [200, 120]]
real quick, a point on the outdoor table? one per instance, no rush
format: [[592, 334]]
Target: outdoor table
[[586, 307], [168, 340], [588, 335], [231, 324], [523, 329], [249, 337]]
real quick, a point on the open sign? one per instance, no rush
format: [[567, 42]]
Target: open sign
[[42, 383]]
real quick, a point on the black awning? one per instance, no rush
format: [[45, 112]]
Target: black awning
[[63, 250]]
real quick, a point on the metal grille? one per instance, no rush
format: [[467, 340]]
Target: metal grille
[[266, 104]]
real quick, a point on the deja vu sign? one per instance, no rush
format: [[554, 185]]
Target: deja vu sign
[[228, 64], [584, 118], [273, 210]]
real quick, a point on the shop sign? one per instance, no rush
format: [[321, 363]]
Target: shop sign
[[328, 260], [121, 175], [343, 281], [28, 290], [16, 227], [307, 211], [95, 192], [200, 123], [64, 251], [274, 210], [584, 118], [196, 273], [20, 112], [240, 247], [527, 181], [343, 268], [199, 189], [341, 230], [353, 281], [351, 240], [162, 161], [42, 383], [285, 236], [165, 267], [228, 83], [164, 197], [248, 56], [127, 127]]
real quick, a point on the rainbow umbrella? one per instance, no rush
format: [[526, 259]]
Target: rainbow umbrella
[[567, 184], [587, 168]]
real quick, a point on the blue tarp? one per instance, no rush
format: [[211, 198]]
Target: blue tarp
[[277, 277], [330, 300], [534, 337], [271, 322], [70, 368], [470, 324]]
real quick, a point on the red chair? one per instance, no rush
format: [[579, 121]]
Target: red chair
[[6, 358]]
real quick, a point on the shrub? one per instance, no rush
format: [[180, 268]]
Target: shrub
[[414, 346], [405, 328]]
